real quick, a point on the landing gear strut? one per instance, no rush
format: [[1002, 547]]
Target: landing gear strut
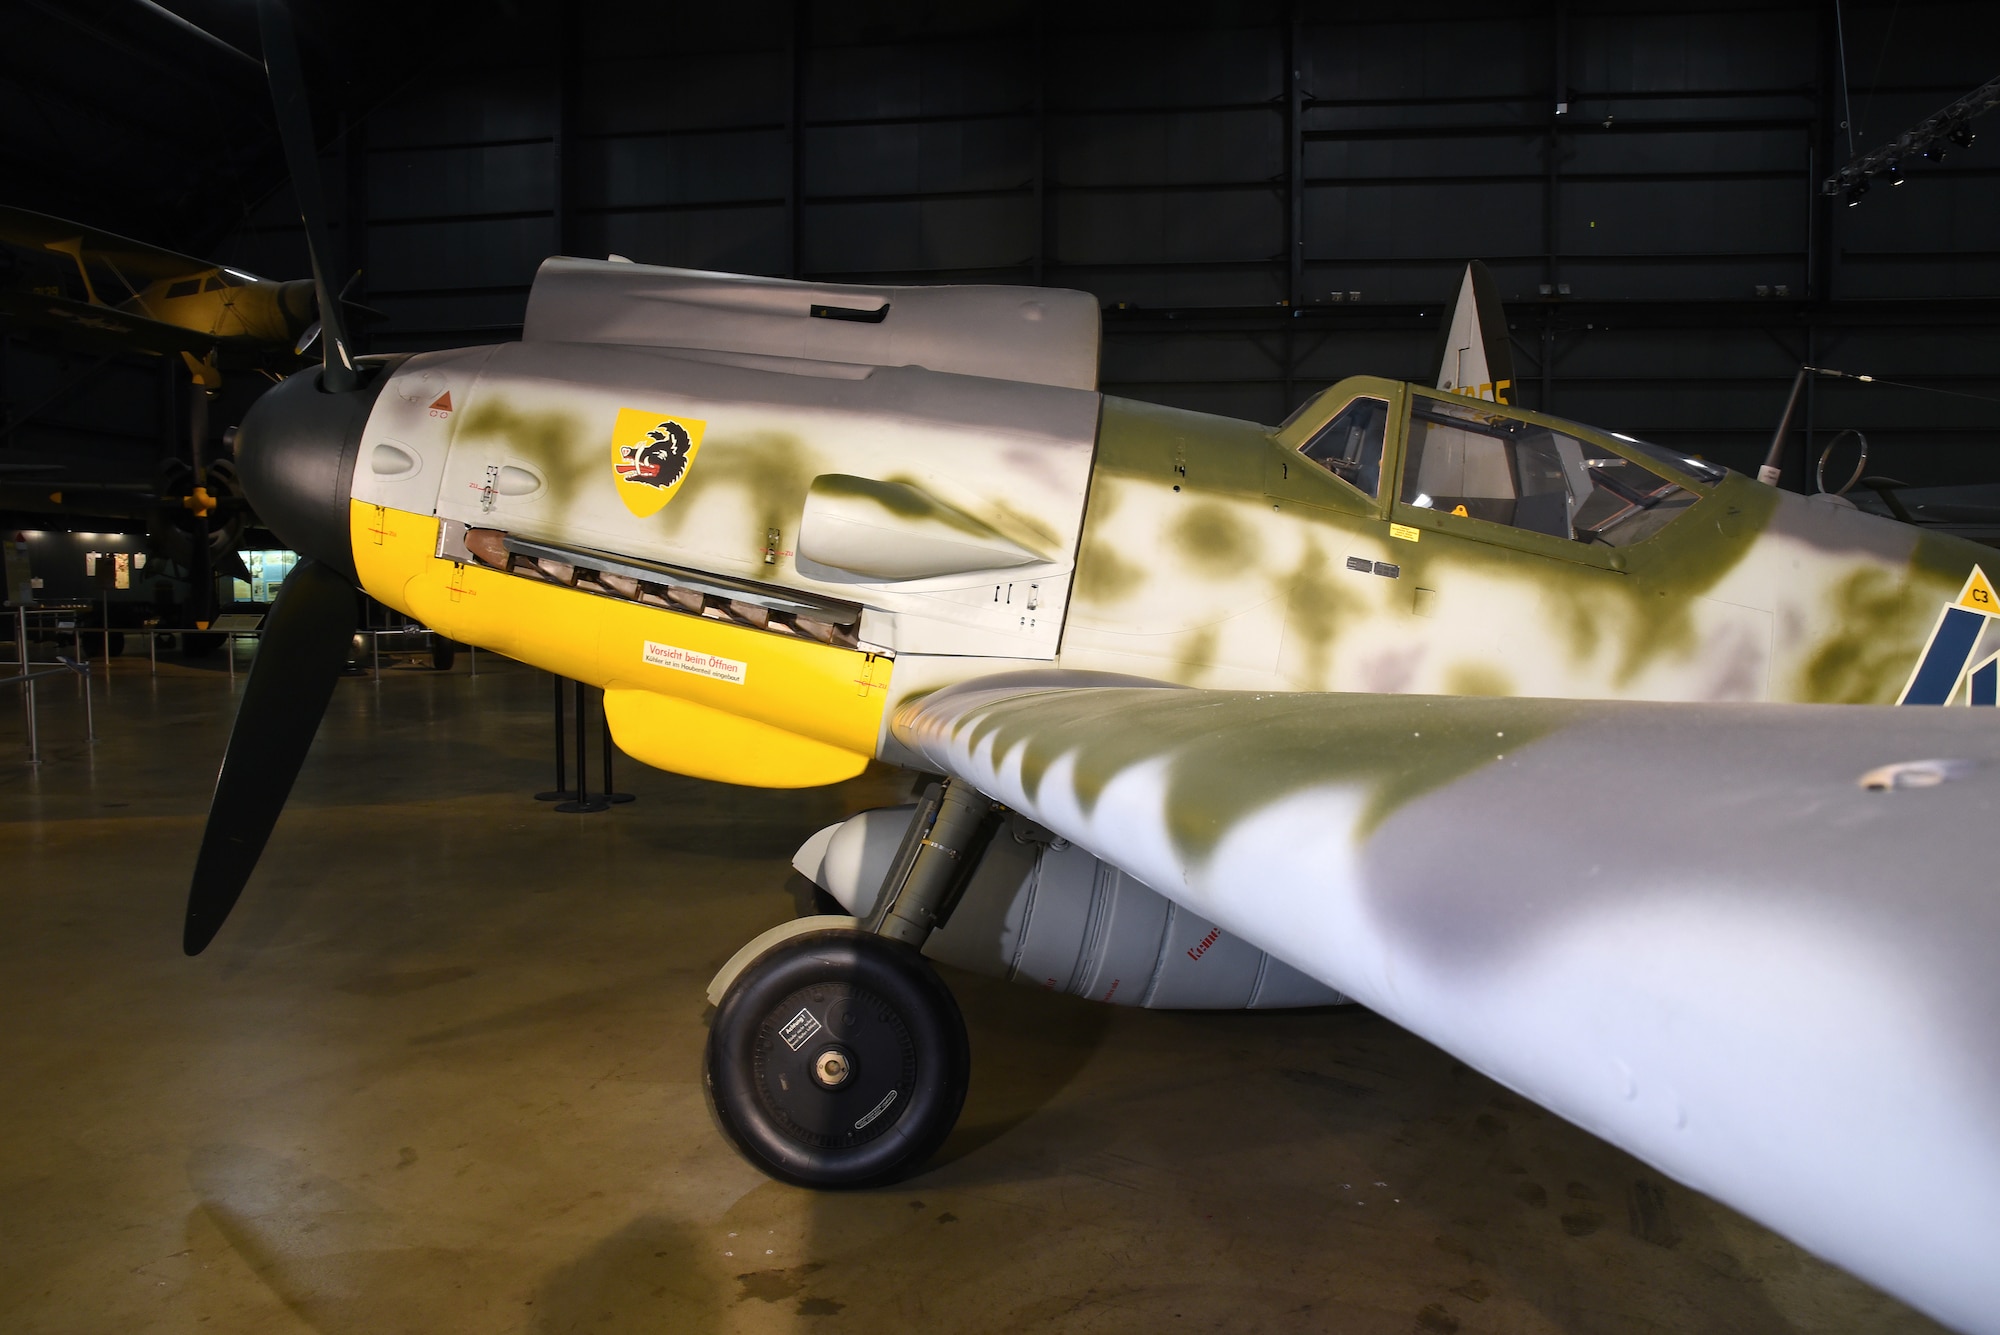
[[837, 1057]]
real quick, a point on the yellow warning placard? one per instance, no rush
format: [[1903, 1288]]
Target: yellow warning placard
[[1405, 532], [1977, 594]]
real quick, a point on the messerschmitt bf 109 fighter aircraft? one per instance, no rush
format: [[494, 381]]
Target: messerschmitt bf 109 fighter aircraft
[[1574, 755]]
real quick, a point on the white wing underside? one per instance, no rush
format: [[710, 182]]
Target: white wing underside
[[1687, 928]]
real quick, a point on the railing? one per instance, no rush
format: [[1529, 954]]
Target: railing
[[29, 672], [153, 633]]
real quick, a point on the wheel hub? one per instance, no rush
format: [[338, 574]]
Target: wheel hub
[[832, 1068], [835, 1064]]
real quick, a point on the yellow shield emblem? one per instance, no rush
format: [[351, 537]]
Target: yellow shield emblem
[[652, 454]]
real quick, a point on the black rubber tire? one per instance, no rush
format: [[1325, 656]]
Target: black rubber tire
[[900, 1031]]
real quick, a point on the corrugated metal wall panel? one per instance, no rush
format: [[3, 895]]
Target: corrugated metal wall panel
[[1145, 154]]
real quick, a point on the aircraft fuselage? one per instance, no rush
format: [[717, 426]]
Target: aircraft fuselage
[[986, 525]]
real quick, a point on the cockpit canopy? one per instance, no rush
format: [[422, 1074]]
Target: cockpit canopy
[[1496, 464]]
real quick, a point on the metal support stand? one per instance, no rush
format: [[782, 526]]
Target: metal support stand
[[611, 793], [107, 637], [583, 803], [27, 686], [946, 839], [81, 666], [26, 677], [561, 792], [34, 735], [82, 669]]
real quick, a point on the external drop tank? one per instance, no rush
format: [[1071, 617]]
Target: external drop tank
[[1041, 911]]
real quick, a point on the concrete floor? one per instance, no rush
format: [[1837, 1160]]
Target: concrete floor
[[441, 1073]]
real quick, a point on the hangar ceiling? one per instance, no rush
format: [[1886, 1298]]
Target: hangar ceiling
[[1264, 198]]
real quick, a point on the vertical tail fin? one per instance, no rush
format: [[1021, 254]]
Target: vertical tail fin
[[1475, 357]]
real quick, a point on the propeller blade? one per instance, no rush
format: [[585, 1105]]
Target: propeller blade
[[307, 339], [288, 97], [353, 305], [304, 648]]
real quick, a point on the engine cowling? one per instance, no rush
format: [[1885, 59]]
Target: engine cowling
[[1047, 913]]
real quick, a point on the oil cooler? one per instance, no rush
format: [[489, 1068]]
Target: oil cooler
[[1048, 914]]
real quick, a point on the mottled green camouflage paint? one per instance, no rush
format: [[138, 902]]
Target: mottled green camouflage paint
[[904, 498], [1196, 653], [1478, 679], [1271, 748], [554, 441], [1211, 535], [1103, 574], [1648, 608], [1213, 539], [773, 468], [1142, 448], [1315, 606], [1880, 620], [1641, 625], [1022, 529]]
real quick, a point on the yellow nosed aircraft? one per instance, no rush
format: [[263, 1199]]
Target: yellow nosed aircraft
[[1578, 756]]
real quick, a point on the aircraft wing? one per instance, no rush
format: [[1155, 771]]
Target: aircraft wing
[[99, 328], [138, 261], [1688, 928]]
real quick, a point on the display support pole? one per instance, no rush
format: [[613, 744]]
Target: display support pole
[[89, 718], [27, 687], [561, 792], [107, 635], [611, 793], [153, 653], [584, 803]]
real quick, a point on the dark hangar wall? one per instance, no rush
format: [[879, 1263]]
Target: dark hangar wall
[[1228, 178]]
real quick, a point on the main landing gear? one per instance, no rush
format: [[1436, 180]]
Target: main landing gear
[[837, 1057]]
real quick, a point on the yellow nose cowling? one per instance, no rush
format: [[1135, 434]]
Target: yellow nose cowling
[[684, 693]]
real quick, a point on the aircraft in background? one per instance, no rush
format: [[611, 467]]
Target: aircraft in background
[[112, 294], [1513, 729], [177, 514], [111, 291]]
